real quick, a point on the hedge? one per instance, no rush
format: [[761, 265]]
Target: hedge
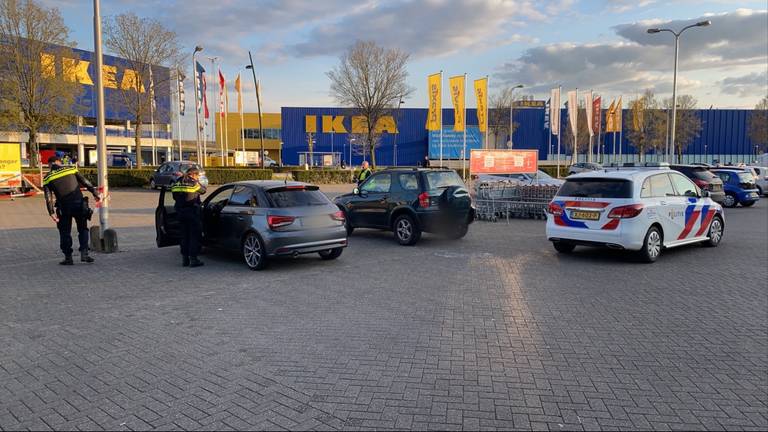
[[220, 176], [123, 177], [325, 176]]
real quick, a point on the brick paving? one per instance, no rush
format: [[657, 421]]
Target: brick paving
[[495, 331]]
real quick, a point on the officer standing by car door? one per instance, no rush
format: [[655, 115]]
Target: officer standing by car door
[[186, 194], [365, 172], [63, 183]]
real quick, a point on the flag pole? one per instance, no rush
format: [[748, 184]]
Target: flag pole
[[152, 116], [179, 85], [441, 118], [464, 150], [487, 86], [559, 126]]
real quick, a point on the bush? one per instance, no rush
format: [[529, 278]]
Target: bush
[[325, 176], [220, 176], [552, 170]]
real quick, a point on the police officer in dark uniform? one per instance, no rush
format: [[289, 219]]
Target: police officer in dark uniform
[[64, 183], [186, 193]]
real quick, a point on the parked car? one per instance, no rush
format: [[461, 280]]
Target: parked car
[[262, 220], [705, 179], [739, 185], [540, 178], [168, 172], [584, 167], [638, 209], [268, 162], [762, 179], [409, 202]]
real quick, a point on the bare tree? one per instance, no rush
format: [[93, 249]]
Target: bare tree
[[582, 141], [646, 126], [687, 125], [757, 125], [38, 87], [371, 79], [142, 42], [498, 115]]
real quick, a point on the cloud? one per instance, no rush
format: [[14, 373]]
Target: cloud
[[639, 60], [621, 6], [750, 85], [423, 27]]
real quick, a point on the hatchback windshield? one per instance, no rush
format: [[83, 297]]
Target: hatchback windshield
[[746, 177], [596, 188], [543, 175], [283, 198], [443, 179]]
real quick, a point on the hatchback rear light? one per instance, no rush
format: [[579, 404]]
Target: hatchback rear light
[[338, 216], [625, 212], [702, 184], [555, 209], [279, 221], [424, 200]]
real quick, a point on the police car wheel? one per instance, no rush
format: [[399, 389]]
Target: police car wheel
[[652, 245], [254, 253], [564, 247], [406, 231], [716, 231], [331, 254]]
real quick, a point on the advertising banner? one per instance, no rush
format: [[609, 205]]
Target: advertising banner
[[434, 92], [481, 94], [554, 115], [10, 166], [503, 161], [453, 142], [457, 97]]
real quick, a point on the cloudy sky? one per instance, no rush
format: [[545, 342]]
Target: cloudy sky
[[589, 44]]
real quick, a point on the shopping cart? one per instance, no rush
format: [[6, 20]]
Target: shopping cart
[[507, 200]]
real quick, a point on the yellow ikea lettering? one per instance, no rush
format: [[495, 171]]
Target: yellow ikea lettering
[[76, 70], [131, 81], [48, 65], [334, 124], [109, 73], [310, 124], [386, 123]]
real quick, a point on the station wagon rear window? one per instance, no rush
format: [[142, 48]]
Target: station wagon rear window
[[596, 188], [442, 179]]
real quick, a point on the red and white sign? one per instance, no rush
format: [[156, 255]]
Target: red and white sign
[[503, 161]]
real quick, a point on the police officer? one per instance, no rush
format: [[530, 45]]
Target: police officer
[[63, 183], [365, 172], [186, 193]]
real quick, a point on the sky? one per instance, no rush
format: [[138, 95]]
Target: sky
[[597, 45]]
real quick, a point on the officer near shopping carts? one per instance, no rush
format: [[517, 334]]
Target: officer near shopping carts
[[186, 194], [63, 183]]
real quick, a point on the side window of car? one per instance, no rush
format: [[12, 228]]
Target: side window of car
[[683, 186], [661, 187], [409, 182], [723, 176], [243, 196], [220, 198], [645, 191], [378, 183]]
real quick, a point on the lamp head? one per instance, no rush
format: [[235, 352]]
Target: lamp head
[[198, 48], [653, 30], [248, 67], [518, 86], [704, 23]]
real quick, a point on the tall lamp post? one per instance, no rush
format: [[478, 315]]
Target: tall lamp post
[[258, 106], [397, 130], [101, 136], [197, 100], [671, 144], [511, 106]]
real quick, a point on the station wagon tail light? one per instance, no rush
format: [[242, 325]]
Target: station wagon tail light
[[423, 200], [279, 221], [701, 183], [338, 216], [555, 209], [625, 212]]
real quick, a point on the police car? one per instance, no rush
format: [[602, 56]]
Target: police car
[[639, 208]]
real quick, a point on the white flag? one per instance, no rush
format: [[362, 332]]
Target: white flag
[[573, 110], [554, 111], [588, 107]]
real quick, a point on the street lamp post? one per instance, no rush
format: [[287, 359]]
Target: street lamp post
[[671, 144], [101, 136], [397, 130], [258, 106], [511, 122], [197, 101]]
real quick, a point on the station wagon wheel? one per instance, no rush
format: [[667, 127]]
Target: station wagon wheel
[[254, 254], [716, 231], [652, 245], [406, 231]]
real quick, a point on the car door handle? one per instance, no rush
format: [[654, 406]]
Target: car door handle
[[663, 203], [240, 218]]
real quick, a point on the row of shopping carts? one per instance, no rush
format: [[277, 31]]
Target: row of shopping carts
[[507, 200]]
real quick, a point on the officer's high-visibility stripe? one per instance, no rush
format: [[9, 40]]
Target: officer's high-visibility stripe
[[59, 173], [185, 189]]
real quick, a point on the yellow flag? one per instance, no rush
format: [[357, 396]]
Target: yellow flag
[[481, 93], [457, 97], [610, 121], [618, 116], [434, 92], [239, 90]]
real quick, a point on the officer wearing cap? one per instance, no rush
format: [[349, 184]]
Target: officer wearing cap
[[186, 194], [62, 185]]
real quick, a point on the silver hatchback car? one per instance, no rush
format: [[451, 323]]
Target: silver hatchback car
[[262, 220]]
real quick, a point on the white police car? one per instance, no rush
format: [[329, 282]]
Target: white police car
[[645, 209]]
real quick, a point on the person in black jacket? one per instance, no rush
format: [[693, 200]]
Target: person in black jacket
[[186, 194], [62, 185]]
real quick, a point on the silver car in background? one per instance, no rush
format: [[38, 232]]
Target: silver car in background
[[262, 220], [538, 178], [584, 167]]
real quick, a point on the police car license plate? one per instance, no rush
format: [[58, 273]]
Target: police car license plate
[[586, 215]]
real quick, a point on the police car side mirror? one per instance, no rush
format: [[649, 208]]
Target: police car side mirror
[[705, 194]]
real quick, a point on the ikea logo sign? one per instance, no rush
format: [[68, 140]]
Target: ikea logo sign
[[76, 70], [356, 125]]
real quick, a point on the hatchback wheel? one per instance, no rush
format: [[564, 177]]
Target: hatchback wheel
[[254, 254], [730, 200], [651, 246], [748, 203], [716, 231], [331, 254], [406, 231]]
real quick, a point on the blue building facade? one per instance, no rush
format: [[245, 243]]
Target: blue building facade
[[723, 136]]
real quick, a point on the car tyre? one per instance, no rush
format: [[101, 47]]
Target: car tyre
[[152, 184], [730, 200], [715, 233], [564, 247], [331, 254], [652, 245], [406, 231], [348, 225], [254, 252], [459, 231], [748, 203]]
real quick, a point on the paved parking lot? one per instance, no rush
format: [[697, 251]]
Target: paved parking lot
[[493, 331]]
